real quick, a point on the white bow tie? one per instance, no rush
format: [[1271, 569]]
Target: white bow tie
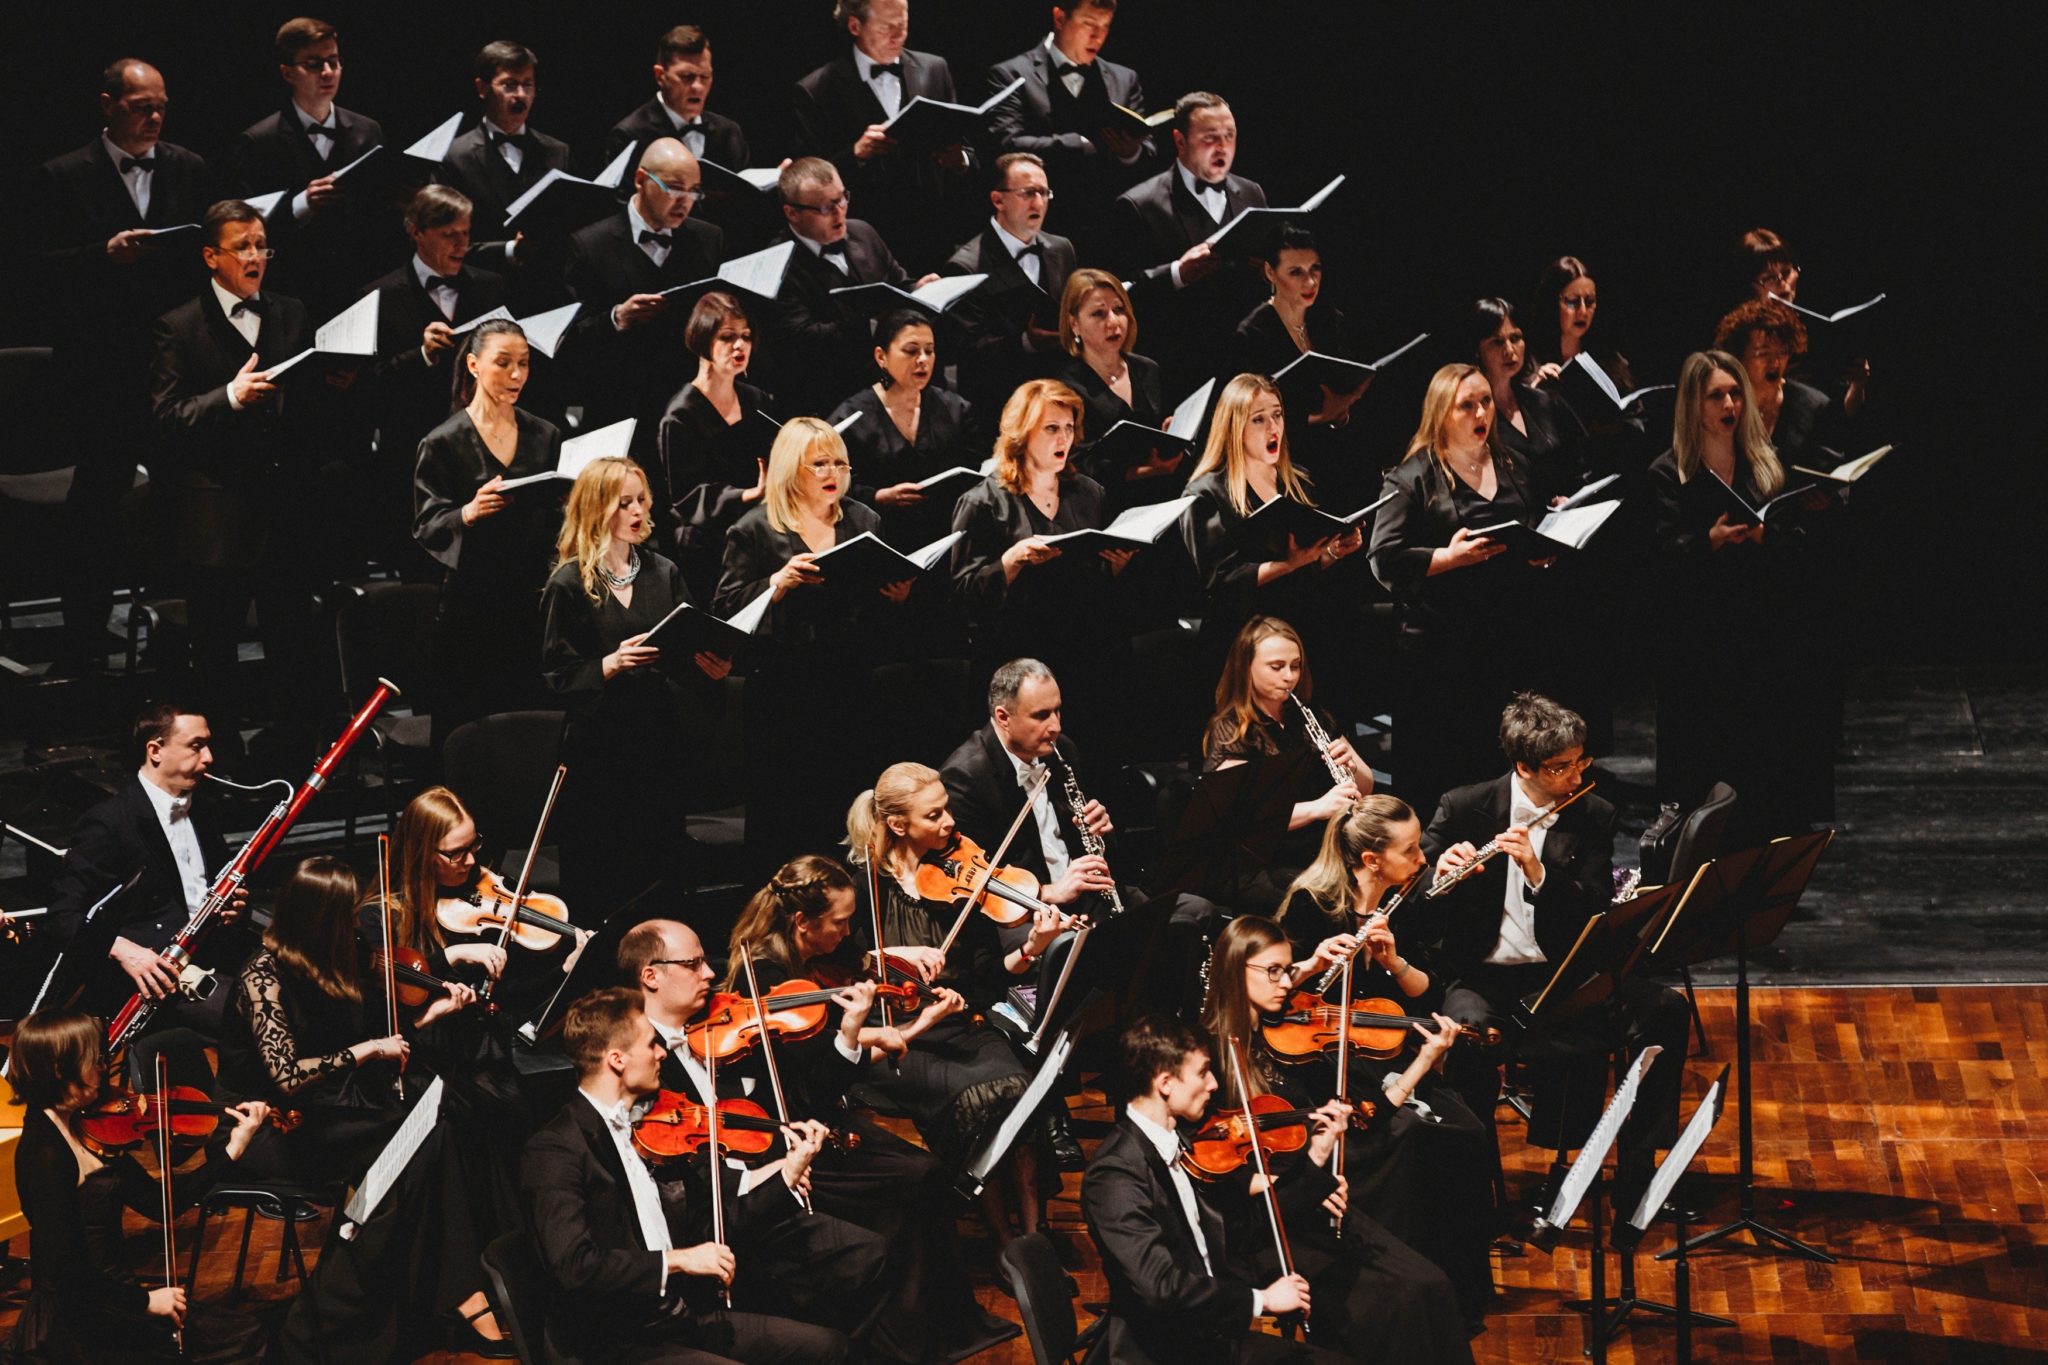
[[1526, 815]]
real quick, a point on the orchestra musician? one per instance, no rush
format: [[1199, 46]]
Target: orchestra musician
[[907, 430], [1375, 1294], [631, 711], [84, 1302], [493, 545], [713, 441], [632, 1261]]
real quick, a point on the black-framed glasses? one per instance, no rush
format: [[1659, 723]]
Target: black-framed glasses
[[829, 207], [1033, 192], [1274, 972], [245, 253], [456, 855], [688, 964]]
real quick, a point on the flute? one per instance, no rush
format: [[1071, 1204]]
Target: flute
[[1492, 846]]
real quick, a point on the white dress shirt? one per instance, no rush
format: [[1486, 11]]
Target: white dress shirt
[[136, 178], [247, 322], [1210, 197], [635, 225], [1517, 943], [324, 136], [888, 88], [1033, 264], [690, 130], [1050, 843], [835, 259], [1167, 1143], [700, 1081], [442, 293], [1070, 73], [618, 1121], [512, 153], [174, 814]]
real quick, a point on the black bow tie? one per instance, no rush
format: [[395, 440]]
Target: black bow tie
[[837, 248], [1204, 189], [665, 239], [892, 69], [1031, 249], [324, 129], [137, 163], [523, 141], [444, 282], [253, 304], [695, 125]]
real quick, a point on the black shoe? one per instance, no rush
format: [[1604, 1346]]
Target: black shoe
[[1065, 1149], [464, 1339]]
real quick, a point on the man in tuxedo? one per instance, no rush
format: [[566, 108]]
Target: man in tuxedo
[[1172, 1294], [628, 343], [332, 236], [682, 87], [234, 456], [499, 160], [883, 1198], [913, 195], [984, 779], [1182, 291], [149, 830], [634, 1274], [817, 348], [418, 306], [1503, 934], [107, 277], [1065, 114], [1011, 323]]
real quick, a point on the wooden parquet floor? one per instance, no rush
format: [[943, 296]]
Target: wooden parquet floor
[[1903, 1129]]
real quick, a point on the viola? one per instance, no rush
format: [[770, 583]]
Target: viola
[[121, 1119], [1378, 1028], [676, 1126], [1224, 1143], [952, 874], [903, 989], [416, 985], [797, 1010], [540, 922]]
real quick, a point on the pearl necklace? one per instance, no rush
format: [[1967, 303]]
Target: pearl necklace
[[623, 580]]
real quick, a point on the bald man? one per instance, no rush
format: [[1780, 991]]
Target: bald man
[[108, 277], [629, 338]]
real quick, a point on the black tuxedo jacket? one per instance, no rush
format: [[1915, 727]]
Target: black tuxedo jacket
[[1043, 118], [633, 373], [578, 1202], [982, 784], [223, 462], [1162, 1306], [115, 838], [998, 353], [329, 257], [724, 140], [81, 203], [816, 348], [1578, 872], [414, 395], [833, 106], [1154, 222], [479, 171]]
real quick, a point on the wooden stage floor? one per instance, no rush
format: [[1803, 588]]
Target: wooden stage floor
[[1896, 1127]]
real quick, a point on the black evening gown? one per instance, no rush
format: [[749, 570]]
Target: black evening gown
[[487, 635], [705, 464], [628, 746], [1101, 409], [946, 436]]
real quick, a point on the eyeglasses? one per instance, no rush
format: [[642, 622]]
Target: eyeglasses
[[1782, 274], [1571, 765], [828, 208], [315, 65], [1585, 301], [688, 964], [1274, 972], [689, 192], [1032, 193], [822, 468], [456, 855], [245, 253]]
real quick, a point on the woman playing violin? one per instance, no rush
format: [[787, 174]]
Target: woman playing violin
[[1374, 1294], [959, 1077], [1428, 1138]]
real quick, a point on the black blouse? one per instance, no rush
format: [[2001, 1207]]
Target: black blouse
[[991, 519], [511, 549], [578, 633], [1428, 506], [882, 457], [706, 463], [808, 615], [1554, 448], [1102, 409]]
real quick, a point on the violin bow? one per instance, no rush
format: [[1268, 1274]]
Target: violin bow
[[1031, 791], [1343, 1078], [875, 909], [163, 1164], [767, 1049], [390, 971], [1272, 1199], [526, 873], [717, 1160]]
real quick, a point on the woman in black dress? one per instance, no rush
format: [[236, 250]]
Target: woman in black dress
[[959, 1077], [493, 544], [1474, 621], [84, 1304], [1340, 906], [1098, 330], [630, 714], [1559, 324], [1733, 702], [713, 442], [907, 431], [1375, 1297], [1245, 465], [815, 645], [1803, 424], [1534, 423]]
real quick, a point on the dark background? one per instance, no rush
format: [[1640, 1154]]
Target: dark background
[[1897, 148]]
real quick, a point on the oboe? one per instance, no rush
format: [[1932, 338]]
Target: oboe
[[1090, 841], [1320, 737], [1492, 846]]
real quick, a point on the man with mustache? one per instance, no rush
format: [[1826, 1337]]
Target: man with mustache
[[499, 160]]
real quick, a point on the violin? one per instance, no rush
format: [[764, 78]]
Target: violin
[[952, 873], [120, 1119], [416, 985], [677, 1126], [1378, 1028], [797, 1010], [540, 922], [1224, 1143]]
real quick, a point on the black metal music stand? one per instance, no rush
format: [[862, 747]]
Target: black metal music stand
[[1629, 1233], [1234, 823], [1742, 902]]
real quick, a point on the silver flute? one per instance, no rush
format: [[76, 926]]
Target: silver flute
[[1491, 847], [1090, 841], [1320, 737]]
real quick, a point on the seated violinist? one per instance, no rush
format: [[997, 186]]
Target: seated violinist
[[84, 1302], [637, 1265]]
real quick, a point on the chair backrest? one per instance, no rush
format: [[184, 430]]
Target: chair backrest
[[28, 396], [387, 631], [1699, 838], [1045, 1297], [502, 764], [519, 1293]]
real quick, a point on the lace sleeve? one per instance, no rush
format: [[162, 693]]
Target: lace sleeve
[[272, 1032]]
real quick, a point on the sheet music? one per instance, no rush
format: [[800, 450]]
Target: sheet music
[[1148, 523], [1005, 1136], [501, 311], [931, 554], [759, 272], [434, 146], [544, 330], [352, 331], [1391, 356], [749, 617], [1681, 1154], [265, 204], [943, 291], [614, 175], [390, 1164], [1595, 1151], [1188, 416]]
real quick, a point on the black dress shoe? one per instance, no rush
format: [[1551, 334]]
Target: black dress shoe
[[1065, 1149]]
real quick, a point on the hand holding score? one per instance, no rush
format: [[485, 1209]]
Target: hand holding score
[[487, 502]]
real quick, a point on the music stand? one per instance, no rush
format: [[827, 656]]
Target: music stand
[[1743, 902], [1628, 1234], [997, 1144], [1234, 823]]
